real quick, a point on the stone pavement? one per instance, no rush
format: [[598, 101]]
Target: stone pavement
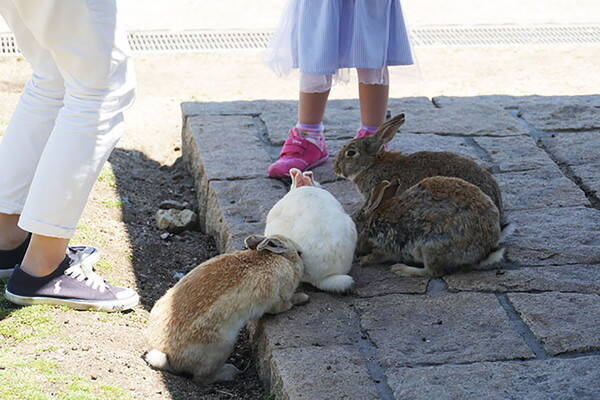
[[527, 330]]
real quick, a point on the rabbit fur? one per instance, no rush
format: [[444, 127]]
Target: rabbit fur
[[194, 326], [441, 223], [325, 234], [364, 162]]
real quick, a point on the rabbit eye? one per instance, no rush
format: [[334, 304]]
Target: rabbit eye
[[351, 153]]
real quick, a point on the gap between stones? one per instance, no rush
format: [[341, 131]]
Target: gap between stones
[[564, 168], [367, 347], [522, 327]]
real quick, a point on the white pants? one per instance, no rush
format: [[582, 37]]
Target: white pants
[[70, 115]]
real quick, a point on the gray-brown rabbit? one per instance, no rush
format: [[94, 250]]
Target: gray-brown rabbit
[[194, 326], [441, 223], [364, 162]]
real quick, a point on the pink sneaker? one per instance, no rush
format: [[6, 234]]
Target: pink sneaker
[[362, 132], [299, 151]]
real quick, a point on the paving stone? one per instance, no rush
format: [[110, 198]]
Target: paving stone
[[346, 193], [378, 281], [590, 176], [539, 188], [214, 136], [555, 236], [563, 322], [516, 101], [561, 117], [411, 143], [253, 107], [324, 373], [325, 320], [468, 120], [446, 328], [574, 148], [342, 117], [236, 209], [516, 153], [563, 278], [557, 379]]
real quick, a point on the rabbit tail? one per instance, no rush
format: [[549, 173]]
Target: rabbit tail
[[336, 283], [157, 359]]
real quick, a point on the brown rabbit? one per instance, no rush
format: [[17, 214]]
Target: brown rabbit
[[194, 326], [441, 223], [364, 162]]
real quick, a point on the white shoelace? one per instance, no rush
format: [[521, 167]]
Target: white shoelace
[[82, 269]]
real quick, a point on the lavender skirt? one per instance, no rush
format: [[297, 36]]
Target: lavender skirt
[[323, 36]]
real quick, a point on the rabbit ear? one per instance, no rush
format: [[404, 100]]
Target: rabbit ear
[[383, 191], [273, 245], [252, 241], [388, 130]]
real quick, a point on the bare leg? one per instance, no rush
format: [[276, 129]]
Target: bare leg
[[311, 107], [373, 103], [44, 254], [11, 236]]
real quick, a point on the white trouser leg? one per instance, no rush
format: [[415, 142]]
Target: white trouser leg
[[90, 53], [33, 119]]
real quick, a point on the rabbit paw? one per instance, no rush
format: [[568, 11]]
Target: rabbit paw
[[369, 259], [299, 299], [408, 271], [280, 307]]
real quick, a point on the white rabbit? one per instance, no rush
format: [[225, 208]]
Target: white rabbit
[[324, 233]]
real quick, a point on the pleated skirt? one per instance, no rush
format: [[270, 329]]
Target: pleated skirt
[[323, 36]]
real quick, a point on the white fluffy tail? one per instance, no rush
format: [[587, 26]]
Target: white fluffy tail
[[336, 283], [157, 359], [507, 230], [493, 258]]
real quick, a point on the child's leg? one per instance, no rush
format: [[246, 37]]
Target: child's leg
[[373, 90], [11, 236], [305, 147]]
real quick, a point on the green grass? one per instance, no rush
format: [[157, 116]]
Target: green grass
[[111, 203], [107, 176], [24, 378]]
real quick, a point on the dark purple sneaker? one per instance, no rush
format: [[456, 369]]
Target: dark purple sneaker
[[10, 258], [73, 284]]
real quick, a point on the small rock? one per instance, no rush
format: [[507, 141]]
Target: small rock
[[176, 221], [165, 235], [178, 275], [169, 204]]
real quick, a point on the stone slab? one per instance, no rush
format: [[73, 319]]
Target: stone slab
[[446, 328], [563, 278], [324, 373], [518, 153], [590, 177], [342, 117], [563, 322], [539, 188], [236, 209], [561, 117], [516, 101], [326, 320], [463, 120], [555, 236], [559, 379], [346, 193], [378, 281], [215, 135], [574, 148]]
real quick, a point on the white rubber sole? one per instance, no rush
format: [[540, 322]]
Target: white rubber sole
[[101, 305]]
